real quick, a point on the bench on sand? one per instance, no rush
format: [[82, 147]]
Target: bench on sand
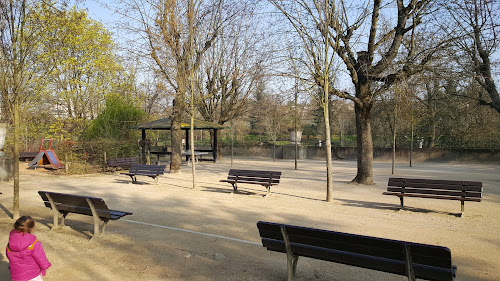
[[409, 259], [125, 162], [264, 178], [63, 204], [27, 155], [436, 189], [152, 171]]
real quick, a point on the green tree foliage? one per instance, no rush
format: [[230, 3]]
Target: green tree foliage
[[115, 120], [85, 63]]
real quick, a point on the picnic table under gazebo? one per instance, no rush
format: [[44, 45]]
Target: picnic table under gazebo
[[166, 124]]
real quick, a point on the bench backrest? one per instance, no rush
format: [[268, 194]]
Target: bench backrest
[[139, 169], [429, 262], [116, 162], [76, 203], [466, 189], [272, 177]]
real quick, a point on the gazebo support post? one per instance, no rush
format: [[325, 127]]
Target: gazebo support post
[[143, 146], [214, 149]]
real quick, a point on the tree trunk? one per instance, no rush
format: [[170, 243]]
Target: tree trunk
[[328, 147], [365, 144], [16, 160], [176, 133]]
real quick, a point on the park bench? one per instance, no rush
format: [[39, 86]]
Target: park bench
[[264, 178], [436, 189], [409, 259], [125, 162], [63, 204], [27, 155], [152, 171]]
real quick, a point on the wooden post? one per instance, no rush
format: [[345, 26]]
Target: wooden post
[[215, 146]]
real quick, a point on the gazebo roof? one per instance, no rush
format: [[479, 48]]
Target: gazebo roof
[[166, 123]]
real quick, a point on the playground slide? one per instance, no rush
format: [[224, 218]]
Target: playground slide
[[36, 160], [45, 157], [54, 161]]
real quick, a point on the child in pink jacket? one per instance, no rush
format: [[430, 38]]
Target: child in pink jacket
[[27, 260]]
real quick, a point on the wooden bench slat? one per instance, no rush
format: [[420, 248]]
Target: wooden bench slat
[[366, 245], [432, 196], [264, 178], [78, 204], [437, 184], [153, 171], [430, 262], [435, 191]]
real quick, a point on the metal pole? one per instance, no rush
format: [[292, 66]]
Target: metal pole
[[411, 143], [295, 125]]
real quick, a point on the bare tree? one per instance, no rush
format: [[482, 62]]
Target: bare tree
[[168, 28], [387, 56], [231, 69], [23, 69], [475, 29], [307, 19]]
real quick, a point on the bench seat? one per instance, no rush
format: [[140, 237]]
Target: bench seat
[[404, 258], [152, 171], [264, 178], [63, 204], [435, 189], [125, 162]]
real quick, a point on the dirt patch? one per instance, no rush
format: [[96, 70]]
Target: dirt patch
[[179, 233]]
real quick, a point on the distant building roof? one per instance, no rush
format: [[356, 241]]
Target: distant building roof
[[166, 123]]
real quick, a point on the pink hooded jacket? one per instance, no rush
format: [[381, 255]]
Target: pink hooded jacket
[[27, 259]]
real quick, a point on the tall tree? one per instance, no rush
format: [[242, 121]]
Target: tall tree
[[167, 27], [86, 63], [308, 18], [388, 55], [24, 29], [475, 28]]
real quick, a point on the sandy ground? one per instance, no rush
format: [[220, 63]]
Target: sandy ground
[[177, 233]]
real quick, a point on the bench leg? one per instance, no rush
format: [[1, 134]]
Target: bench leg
[[462, 205], [235, 187], [454, 271], [55, 211], [268, 191], [63, 219], [291, 259], [97, 220], [409, 263], [104, 223], [401, 198]]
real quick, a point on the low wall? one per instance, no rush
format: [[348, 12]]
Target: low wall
[[379, 154]]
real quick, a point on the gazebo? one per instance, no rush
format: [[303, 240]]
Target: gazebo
[[166, 124]]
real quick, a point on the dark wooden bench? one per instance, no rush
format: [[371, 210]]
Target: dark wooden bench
[[409, 259], [152, 171], [27, 155], [125, 162], [436, 189], [63, 204], [264, 178]]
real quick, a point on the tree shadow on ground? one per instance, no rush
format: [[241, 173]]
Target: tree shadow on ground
[[82, 228], [4, 270], [392, 207], [5, 210]]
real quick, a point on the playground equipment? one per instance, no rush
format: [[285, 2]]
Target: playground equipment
[[46, 156]]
